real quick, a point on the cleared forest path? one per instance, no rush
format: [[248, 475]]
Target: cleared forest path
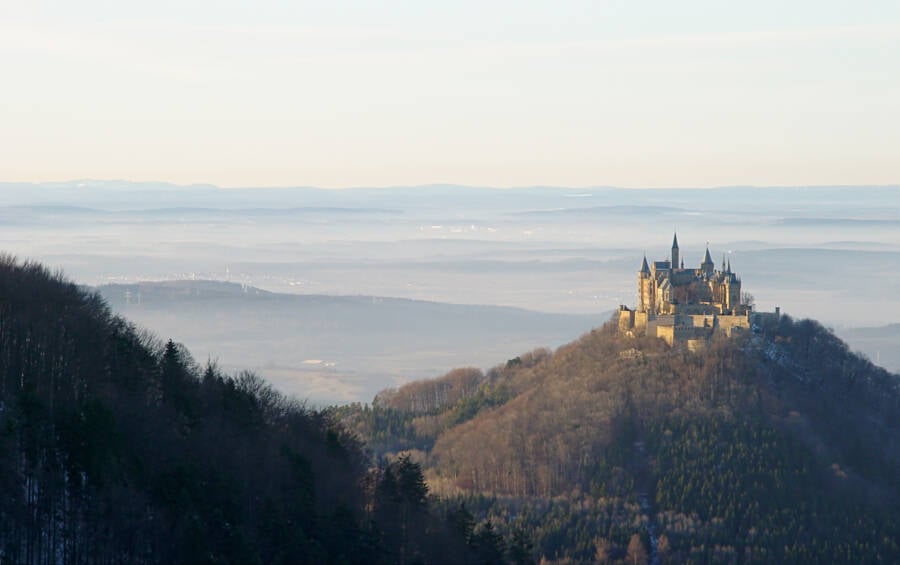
[[644, 487]]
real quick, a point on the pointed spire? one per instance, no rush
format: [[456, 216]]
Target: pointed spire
[[645, 268], [682, 263], [729, 266], [675, 252], [707, 266], [723, 262]]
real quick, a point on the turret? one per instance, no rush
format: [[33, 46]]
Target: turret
[[675, 252], [707, 266], [645, 288]]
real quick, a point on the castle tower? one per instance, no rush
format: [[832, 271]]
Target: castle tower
[[734, 291], [675, 252], [645, 288], [726, 296], [707, 266]]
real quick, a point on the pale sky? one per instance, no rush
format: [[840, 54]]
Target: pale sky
[[627, 93]]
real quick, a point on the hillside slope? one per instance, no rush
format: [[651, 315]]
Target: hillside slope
[[117, 448], [781, 446]]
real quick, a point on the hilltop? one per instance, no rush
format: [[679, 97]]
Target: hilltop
[[780, 445]]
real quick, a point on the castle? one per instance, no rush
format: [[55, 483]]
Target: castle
[[685, 306]]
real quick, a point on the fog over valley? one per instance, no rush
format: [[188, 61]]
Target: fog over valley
[[336, 348], [335, 294]]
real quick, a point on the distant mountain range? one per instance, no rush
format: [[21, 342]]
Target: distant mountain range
[[113, 194]]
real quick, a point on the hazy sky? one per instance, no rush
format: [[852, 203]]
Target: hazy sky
[[627, 93]]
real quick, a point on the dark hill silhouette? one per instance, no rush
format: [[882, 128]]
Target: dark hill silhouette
[[117, 448], [780, 446]]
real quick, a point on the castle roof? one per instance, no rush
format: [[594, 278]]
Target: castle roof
[[645, 268], [675, 242], [708, 259]]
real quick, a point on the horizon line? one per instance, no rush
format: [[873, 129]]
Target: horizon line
[[74, 183]]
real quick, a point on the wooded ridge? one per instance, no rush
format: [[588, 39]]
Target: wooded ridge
[[781, 445], [116, 447]]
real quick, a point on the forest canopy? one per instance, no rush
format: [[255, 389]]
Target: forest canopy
[[116, 447]]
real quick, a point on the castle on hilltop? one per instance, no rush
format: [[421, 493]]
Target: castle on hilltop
[[685, 306]]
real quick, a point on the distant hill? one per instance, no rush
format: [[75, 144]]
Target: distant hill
[[782, 446], [608, 211], [335, 348], [881, 344]]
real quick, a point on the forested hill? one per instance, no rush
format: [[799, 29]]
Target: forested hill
[[780, 446], [117, 448]]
